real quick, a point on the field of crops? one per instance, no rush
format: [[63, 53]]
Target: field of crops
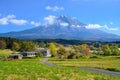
[[108, 63]]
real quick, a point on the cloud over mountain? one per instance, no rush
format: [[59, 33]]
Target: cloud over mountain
[[35, 23], [97, 26], [50, 19], [64, 24], [64, 27]]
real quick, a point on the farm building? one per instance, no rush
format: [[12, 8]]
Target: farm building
[[28, 54], [45, 53], [16, 56]]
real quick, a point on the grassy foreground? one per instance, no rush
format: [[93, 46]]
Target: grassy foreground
[[109, 63], [34, 70]]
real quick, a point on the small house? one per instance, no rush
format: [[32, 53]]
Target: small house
[[45, 53], [28, 54], [16, 56]]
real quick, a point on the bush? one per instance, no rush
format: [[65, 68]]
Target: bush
[[86, 57], [112, 69], [95, 56], [39, 54]]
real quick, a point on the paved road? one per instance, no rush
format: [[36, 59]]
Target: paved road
[[101, 71], [45, 61]]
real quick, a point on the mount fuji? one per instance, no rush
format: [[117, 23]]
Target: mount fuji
[[63, 27]]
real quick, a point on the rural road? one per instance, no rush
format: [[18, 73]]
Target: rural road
[[45, 61], [100, 71]]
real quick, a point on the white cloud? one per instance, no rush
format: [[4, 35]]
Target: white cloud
[[3, 21], [12, 19], [50, 19], [54, 8], [97, 26], [64, 24], [11, 16], [93, 26], [106, 27], [35, 23], [18, 22], [72, 25], [77, 26]]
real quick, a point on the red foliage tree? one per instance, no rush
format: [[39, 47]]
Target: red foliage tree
[[2, 44], [86, 51]]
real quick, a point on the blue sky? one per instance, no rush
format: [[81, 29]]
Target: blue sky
[[17, 15]]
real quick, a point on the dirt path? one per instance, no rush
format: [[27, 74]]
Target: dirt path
[[45, 61]]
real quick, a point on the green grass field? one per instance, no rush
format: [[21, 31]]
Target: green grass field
[[5, 52], [32, 69], [108, 63]]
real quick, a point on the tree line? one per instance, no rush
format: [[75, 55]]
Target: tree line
[[83, 50], [63, 51], [16, 45]]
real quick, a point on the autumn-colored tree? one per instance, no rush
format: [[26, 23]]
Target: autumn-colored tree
[[62, 52], [2, 44], [53, 49], [83, 47], [15, 46], [73, 54], [86, 51], [114, 49], [106, 49], [27, 46]]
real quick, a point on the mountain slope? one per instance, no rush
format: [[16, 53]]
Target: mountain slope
[[64, 27]]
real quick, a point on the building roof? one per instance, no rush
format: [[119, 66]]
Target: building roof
[[15, 55], [28, 52]]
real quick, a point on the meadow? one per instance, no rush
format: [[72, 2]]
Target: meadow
[[111, 63], [5, 52], [32, 69]]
